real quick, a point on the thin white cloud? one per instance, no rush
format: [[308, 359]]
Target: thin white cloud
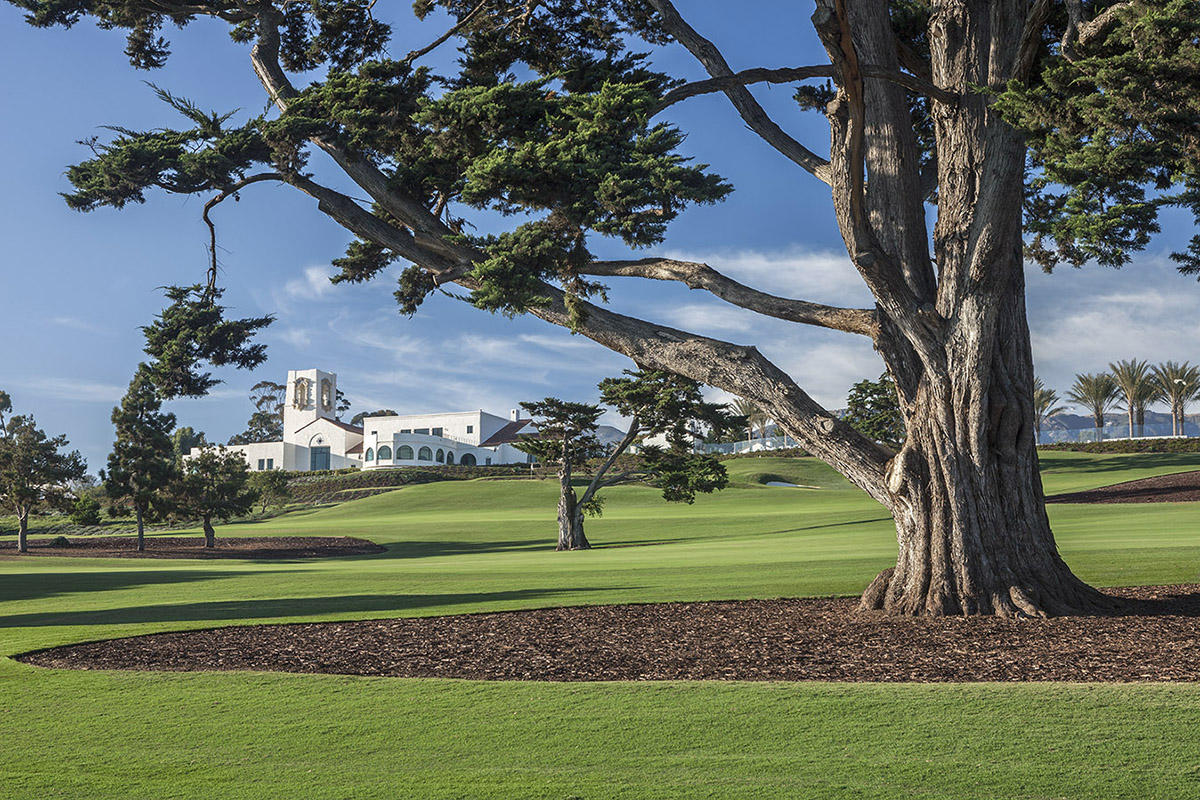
[[78, 324], [709, 317], [71, 389], [313, 284], [1081, 320]]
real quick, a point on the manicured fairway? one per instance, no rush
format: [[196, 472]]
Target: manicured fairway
[[457, 547]]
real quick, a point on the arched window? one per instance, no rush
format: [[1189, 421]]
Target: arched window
[[441, 456], [370, 454], [404, 453], [424, 454], [467, 460], [385, 453], [449, 456]]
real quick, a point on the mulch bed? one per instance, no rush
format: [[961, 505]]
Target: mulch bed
[[1154, 637], [193, 547], [1182, 487]]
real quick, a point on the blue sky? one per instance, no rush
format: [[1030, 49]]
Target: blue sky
[[77, 286]]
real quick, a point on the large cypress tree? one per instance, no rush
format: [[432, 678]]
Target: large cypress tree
[[1071, 120], [141, 466]]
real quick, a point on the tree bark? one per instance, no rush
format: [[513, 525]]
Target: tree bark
[[210, 536], [141, 530], [23, 532]]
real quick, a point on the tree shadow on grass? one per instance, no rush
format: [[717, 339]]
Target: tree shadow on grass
[[36, 585], [450, 547], [255, 610], [824, 525], [1184, 461]]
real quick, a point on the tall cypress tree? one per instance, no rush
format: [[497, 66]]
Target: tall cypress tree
[[142, 463], [990, 132]]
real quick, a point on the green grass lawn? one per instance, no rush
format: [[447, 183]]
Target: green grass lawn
[[486, 545]]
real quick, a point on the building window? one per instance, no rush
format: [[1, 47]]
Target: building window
[[404, 453], [370, 454], [422, 431], [470, 429], [441, 456], [406, 430], [385, 453], [424, 454], [449, 457], [318, 458], [262, 464], [489, 459], [435, 432], [270, 463], [467, 460]]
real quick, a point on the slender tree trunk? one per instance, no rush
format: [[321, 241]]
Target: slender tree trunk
[[210, 536], [570, 516], [141, 530], [22, 532]]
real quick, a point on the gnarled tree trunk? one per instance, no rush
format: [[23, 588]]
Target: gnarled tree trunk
[[570, 515], [141, 530], [210, 536]]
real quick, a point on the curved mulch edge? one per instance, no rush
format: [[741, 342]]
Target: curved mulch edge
[[1155, 637], [1179, 487], [281, 547]]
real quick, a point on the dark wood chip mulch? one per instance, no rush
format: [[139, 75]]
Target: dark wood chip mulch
[[1182, 487], [1155, 637], [193, 547]]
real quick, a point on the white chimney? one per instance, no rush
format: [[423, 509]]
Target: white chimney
[[514, 414]]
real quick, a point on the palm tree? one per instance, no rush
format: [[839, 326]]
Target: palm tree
[[1178, 384], [1045, 404], [1139, 388], [1096, 393], [755, 416]]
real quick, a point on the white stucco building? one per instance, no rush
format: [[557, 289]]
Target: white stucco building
[[314, 439]]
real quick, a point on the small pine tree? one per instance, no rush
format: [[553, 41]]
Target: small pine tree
[[874, 411], [141, 466], [34, 472], [213, 485], [566, 439]]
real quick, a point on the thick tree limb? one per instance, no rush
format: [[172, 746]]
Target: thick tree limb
[[737, 369], [1031, 38], [701, 276], [598, 480], [914, 316], [430, 231], [753, 113], [793, 74]]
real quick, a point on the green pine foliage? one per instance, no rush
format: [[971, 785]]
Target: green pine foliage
[[873, 409], [142, 466]]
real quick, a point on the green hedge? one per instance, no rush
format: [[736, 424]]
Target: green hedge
[[328, 487], [1191, 445]]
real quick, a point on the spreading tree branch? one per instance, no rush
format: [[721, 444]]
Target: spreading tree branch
[[212, 228], [701, 276], [438, 42], [793, 74], [753, 113]]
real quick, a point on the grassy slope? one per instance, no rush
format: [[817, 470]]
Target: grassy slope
[[467, 547]]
